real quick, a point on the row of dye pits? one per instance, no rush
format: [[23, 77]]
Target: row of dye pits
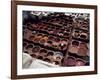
[[51, 41], [60, 31], [57, 57]]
